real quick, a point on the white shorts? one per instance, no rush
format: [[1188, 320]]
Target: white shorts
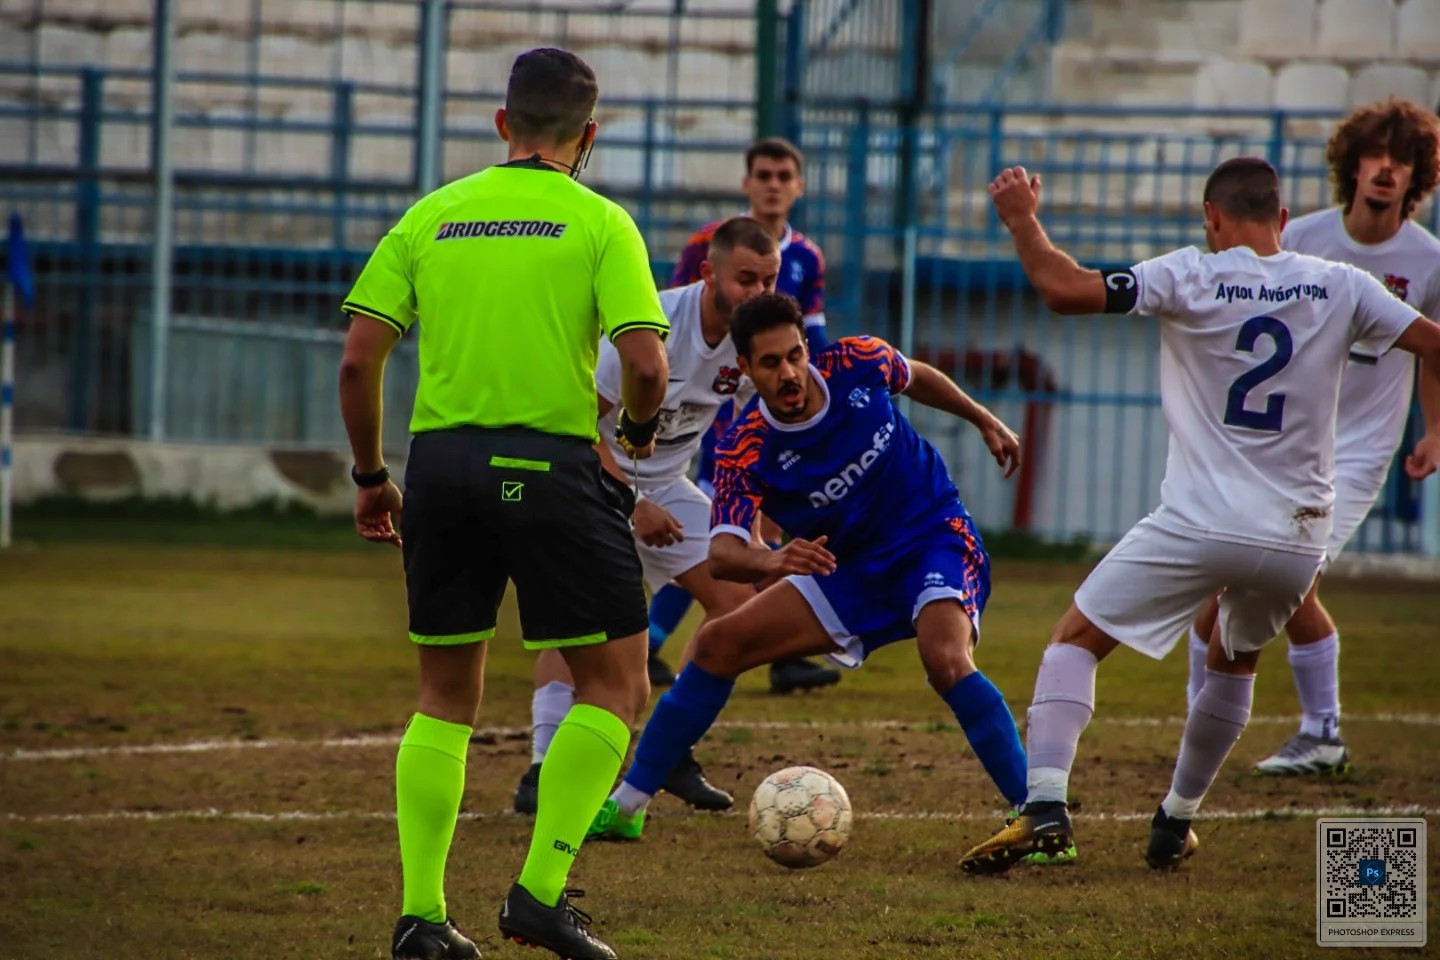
[[1147, 589], [1357, 487], [688, 505]]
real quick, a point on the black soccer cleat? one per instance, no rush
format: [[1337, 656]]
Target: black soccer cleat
[[417, 939], [660, 673], [527, 794], [788, 675], [1171, 841], [559, 929], [687, 782]]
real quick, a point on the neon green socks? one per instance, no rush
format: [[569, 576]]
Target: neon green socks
[[578, 772], [429, 780]]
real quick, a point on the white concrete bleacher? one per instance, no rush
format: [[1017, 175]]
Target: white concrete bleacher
[[1273, 30], [1417, 31], [1377, 81], [1227, 84], [1355, 30]]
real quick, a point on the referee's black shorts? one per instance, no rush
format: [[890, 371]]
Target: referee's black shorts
[[483, 506]]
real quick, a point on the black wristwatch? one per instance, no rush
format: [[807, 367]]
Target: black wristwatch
[[366, 480]]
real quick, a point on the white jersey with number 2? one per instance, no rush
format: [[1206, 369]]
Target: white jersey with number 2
[[1252, 351]]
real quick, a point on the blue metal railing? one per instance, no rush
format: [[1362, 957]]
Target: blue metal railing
[[262, 260]]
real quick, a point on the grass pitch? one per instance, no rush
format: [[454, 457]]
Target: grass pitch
[[197, 746]]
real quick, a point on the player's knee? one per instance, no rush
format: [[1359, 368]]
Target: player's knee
[[715, 648], [947, 660], [639, 696]]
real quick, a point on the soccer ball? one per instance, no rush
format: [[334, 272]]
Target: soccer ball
[[800, 816]]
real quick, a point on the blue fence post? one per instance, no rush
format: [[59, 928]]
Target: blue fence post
[[343, 122], [647, 170], [1277, 139], [1054, 20], [996, 134], [794, 72], [87, 238], [856, 220]]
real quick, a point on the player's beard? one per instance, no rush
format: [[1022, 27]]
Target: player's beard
[[724, 307], [1378, 206], [786, 393]]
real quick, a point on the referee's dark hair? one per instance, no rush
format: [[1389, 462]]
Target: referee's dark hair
[[1245, 188], [741, 232], [551, 95], [765, 312]]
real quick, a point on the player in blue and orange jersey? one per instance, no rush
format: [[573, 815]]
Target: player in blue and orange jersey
[[774, 181], [883, 548]]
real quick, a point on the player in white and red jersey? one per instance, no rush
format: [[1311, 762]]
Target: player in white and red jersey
[[1383, 163], [672, 515], [1253, 341]]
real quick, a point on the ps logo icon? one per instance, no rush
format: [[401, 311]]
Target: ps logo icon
[[1372, 873], [511, 491]]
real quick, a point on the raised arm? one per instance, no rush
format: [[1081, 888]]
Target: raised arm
[[1064, 285], [932, 388]]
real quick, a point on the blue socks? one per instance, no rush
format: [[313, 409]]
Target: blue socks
[[990, 728], [681, 718], [667, 608]]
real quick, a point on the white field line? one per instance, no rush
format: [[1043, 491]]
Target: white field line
[[390, 740], [312, 816]]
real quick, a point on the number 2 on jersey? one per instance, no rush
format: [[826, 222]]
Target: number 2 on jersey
[[1270, 418]]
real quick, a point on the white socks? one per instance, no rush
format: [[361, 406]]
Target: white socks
[[1316, 667], [547, 711], [1061, 708], [1216, 721], [629, 799], [1198, 649]]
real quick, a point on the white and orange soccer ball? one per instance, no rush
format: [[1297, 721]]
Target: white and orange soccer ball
[[800, 816]]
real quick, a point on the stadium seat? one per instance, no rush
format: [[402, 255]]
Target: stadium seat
[[210, 53], [1234, 84], [1417, 31], [1356, 29], [1277, 29], [1380, 80], [14, 139], [1311, 86], [713, 169]]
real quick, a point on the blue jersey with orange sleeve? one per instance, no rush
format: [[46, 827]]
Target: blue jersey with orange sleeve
[[857, 471]]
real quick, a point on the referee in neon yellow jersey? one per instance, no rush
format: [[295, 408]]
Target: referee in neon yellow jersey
[[514, 274]]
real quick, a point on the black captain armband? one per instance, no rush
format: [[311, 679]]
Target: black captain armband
[[637, 434], [1122, 290]]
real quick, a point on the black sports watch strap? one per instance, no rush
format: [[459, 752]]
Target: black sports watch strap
[[365, 480], [636, 433]]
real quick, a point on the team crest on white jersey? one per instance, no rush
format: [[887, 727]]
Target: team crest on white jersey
[[1399, 286], [859, 398], [727, 381]]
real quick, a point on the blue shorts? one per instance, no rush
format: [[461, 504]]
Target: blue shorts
[[868, 603]]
